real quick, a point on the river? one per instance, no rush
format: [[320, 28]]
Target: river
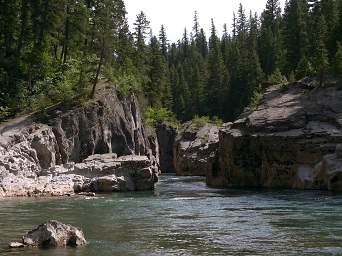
[[184, 217]]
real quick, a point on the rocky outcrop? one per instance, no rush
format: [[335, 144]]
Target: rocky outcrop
[[195, 149], [166, 137], [288, 141], [97, 174], [29, 149], [51, 235]]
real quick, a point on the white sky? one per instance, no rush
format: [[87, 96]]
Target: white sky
[[177, 14]]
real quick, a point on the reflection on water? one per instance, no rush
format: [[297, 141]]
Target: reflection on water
[[183, 217]]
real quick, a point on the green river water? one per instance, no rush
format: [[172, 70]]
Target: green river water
[[184, 217]]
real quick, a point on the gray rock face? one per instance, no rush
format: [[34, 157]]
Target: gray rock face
[[52, 234], [195, 149], [166, 138], [279, 144], [99, 173], [30, 150]]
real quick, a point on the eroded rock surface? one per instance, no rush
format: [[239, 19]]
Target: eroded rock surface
[[39, 159], [166, 137], [52, 234], [195, 148], [281, 142]]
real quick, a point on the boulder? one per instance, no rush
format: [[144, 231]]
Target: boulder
[[51, 235], [328, 173], [195, 149], [280, 143]]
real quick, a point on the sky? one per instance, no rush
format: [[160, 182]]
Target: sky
[[175, 15]]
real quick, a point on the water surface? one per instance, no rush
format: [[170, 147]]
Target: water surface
[[184, 217]]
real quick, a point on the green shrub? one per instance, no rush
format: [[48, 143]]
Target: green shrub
[[154, 116], [257, 96], [202, 120], [277, 77], [4, 112], [127, 83]]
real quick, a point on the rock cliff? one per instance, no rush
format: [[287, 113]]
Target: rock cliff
[[166, 137], [110, 124], [291, 140], [194, 150]]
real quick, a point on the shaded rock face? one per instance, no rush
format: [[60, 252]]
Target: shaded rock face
[[279, 144], [166, 137], [52, 234], [194, 150], [112, 124]]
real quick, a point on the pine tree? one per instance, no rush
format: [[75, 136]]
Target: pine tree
[[158, 89], [295, 33], [163, 41], [254, 70], [140, 34], [321, 59], [196, 27], [270, 38], [216, 89], [338, 60], [107, 22]]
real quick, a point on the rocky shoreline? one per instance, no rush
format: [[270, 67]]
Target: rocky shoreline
[[291, 140], [100, 147]]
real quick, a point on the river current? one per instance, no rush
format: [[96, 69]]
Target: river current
[[184, 217]]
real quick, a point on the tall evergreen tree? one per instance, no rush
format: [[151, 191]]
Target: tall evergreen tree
[[270, 37], [141, 31], [321, 59], [295, 33], [216, 88], [163, 41]]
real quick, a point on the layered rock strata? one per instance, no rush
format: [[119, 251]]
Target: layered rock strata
[[291, 140]]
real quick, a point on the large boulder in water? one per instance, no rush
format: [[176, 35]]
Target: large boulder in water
[[195, 149], [281, 141], [52, 234]]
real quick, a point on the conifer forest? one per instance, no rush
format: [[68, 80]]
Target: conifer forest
[[57, 51]]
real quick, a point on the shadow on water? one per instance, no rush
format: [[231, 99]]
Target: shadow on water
[[185, 217]]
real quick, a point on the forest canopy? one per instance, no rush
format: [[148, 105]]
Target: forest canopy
[[56, 51]]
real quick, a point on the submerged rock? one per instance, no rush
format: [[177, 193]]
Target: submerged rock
[[52, 234], [288, 141], [195, 149], [15, 245]]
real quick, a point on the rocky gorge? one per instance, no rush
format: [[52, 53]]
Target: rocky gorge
[[292, 139], [102, 146]]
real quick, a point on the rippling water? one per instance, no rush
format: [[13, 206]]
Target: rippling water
[[183, 217]]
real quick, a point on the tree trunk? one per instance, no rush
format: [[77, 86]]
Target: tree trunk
[[66, 39], [98, 70], [23, 23]]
